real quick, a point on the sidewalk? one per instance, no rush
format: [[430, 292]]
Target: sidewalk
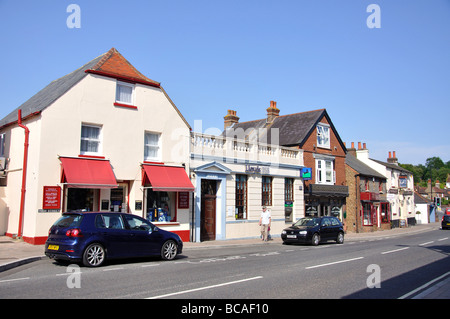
[[14, 253]]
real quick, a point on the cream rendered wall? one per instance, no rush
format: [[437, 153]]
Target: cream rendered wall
[[91, 101]]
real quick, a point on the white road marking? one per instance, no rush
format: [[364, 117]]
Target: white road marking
[[333, 263], [393, 251], [9, 280], [424, 286], [204, 288], [428, 242]]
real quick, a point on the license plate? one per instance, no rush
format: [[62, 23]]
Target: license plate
[[53, 247], [291, 236], [448, 224]]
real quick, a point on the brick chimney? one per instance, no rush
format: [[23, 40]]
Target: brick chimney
[[272, 111], [352, 150], [392, 159], [230, 119]]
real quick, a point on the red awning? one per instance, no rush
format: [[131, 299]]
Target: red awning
[[87, 173], [166, 178]]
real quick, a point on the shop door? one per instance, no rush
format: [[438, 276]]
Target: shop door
[[208, 218]]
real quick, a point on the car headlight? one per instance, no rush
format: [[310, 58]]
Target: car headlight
[[283, 232], [303, 232]]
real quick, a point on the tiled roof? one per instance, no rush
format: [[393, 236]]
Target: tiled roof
[[361, 168]]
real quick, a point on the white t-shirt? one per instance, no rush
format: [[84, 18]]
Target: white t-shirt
[[265, 217]]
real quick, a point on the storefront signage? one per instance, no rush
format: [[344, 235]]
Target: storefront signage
[[183, 199], [403, 181], [306, 173], [251, 169], [52, 198]]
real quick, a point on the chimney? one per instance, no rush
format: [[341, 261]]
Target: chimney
[[230, 119], [393, 159], [352, 150], [272, 112]]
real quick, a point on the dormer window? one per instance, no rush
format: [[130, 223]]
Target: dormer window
[[323, 135]]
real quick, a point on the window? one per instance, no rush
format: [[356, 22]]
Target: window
[[152, 149], [124, 93], [109, 221], [325, 171], [266, 191], [367, 214], [288, 189], [385, 212], [241, 196], [323, 135], [2, 145], [136, 223], [90, 140]]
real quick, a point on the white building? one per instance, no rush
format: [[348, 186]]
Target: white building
[[399, 184], [102, 138]]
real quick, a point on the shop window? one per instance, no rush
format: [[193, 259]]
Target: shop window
[[161, 206], [367, 214], [241, 196], [90, 140], [323, 136], [266, 191], [152, 149], [81, 199], [385, 212], [124, 93]]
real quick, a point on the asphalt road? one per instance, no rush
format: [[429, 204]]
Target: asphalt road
[[394, 266]]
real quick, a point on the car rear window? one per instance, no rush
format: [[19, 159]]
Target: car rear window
[[69, 221], [447, 218]]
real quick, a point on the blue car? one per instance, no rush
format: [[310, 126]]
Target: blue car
[[94, 237]]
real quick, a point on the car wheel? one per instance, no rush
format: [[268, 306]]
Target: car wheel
[[315, 239], [340, 238], [169, 250], [94, 255]]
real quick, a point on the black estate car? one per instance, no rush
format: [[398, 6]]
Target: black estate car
[[314, 230]]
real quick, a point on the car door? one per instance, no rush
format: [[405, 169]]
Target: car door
[[111, 227], [325, 229], [335, 228], [143, 237]]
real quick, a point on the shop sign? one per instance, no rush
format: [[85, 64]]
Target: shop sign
[[403, 181], [183, 200], [250, 169], [306, 173], [52, 198]]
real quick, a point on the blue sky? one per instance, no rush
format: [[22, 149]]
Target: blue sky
[[388, 87]]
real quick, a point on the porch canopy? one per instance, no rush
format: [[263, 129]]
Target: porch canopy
[[87, 173], [164, 178]]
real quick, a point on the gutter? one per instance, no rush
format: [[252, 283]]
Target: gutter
[[24, 172]]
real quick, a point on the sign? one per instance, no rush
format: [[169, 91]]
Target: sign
[[403, 181], [250, 169], [183, 199], [52, 197], [306, 173]]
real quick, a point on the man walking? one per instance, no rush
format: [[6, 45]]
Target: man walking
[[265, 222]]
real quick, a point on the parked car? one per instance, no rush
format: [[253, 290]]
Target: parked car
[[94, 237], [445, 224], [447, 211], [314, 230]]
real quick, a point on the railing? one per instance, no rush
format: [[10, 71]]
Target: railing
[[232, 148]]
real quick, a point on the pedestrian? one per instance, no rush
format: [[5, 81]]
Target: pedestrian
[[265, 222]]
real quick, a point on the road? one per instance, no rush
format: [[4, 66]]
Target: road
[[394, 266]]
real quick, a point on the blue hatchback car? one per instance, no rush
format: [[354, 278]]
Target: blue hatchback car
[[94, 237]]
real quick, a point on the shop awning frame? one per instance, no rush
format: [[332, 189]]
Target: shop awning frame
[[84, 172], [165, 178]]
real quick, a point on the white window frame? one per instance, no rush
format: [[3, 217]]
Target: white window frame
[[97, 140], [125, 84], [323, 135], [325, 173], [157, 147]]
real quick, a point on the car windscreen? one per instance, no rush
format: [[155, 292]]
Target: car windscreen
[[308, 221], [68, 221]]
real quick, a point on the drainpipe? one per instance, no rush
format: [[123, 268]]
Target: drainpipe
[[24, 172]]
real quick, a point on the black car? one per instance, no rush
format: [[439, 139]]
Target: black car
[[314, 230], [93, 237], [445, 222]]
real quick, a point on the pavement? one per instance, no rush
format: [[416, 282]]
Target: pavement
[[16, 252]]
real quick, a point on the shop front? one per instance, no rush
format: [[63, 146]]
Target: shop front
[[167, 197], [325, 200]]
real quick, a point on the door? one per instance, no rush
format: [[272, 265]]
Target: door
[[208, 218], [143, 240]]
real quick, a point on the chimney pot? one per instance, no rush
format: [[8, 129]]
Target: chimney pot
[[364, 146], [359, 145], [353, 144]]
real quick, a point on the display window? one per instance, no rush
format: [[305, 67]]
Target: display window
[[161, 206]]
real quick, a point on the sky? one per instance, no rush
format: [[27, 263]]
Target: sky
[[382, 74]]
